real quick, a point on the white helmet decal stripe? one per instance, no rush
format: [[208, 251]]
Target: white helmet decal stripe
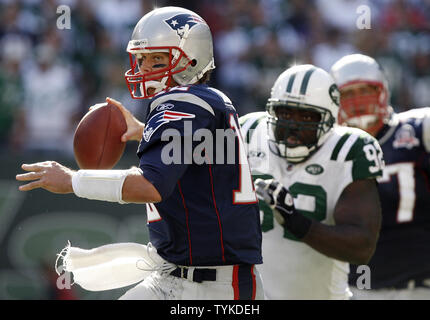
[[290, 82]]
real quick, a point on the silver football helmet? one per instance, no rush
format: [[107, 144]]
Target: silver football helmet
[[365, 111], [303, 87], [182, 34]]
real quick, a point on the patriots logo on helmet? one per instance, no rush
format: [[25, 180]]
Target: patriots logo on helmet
[[179, 22], [161, 118]]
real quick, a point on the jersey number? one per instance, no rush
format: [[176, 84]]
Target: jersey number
[[406, 180], [298, 189], [246, 193], [374, 154]]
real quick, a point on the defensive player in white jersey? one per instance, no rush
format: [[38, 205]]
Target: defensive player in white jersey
[[321, 207]]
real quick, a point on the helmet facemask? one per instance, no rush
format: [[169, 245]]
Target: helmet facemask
[[159, 79], [364, 101], [367, 111], [297, 140]]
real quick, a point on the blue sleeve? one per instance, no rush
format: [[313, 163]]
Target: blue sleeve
[[165, 150], [162, 176]]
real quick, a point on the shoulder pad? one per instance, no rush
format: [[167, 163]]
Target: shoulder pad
[[349, 141], [426, 130], [417, 113], [249, 122], [183, 97], [221, 94], [363, 150]]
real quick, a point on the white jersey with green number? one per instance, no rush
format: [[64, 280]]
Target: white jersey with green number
[[291, 269]]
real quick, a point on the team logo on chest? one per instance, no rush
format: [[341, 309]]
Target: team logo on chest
[[314, 169], [405, 137], [256, 154], [161, 118]]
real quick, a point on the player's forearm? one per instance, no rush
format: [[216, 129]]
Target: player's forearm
[[122, 186], [349, 243], [137, 189]]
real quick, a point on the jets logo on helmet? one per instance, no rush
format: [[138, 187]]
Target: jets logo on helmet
[[161, 118], [334, 94], [179, 22]]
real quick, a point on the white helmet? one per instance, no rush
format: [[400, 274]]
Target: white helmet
[[177, 31], [304, 87], [367, 112]]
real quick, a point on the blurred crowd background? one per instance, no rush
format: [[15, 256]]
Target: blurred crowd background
[[49, 76]]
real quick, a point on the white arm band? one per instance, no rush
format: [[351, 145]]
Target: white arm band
[[104, 185]]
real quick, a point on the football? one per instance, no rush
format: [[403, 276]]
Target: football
[[97, 141]]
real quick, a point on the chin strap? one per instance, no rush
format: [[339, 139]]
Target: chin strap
[[157, 85]]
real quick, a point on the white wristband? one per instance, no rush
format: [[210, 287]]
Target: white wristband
[[104, 185]]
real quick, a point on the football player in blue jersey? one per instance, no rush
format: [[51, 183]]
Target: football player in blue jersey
[[203, 216], [400, 267]]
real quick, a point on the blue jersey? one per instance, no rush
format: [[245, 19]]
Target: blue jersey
[[403, 248], [209, 213]]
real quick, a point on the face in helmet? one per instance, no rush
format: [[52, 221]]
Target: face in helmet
[[296, 126], [169, 46], [302, 110], [364, 93], [153, 66]]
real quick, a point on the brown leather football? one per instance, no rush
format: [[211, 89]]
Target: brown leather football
[[97, 142]]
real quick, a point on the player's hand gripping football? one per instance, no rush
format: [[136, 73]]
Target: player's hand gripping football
[[48, 175], [281, 202], [134, 126]]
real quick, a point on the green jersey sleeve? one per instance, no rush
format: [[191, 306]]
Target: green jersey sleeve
[[367, 158]]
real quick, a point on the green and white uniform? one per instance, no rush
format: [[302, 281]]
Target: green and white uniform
[[291, 269]]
